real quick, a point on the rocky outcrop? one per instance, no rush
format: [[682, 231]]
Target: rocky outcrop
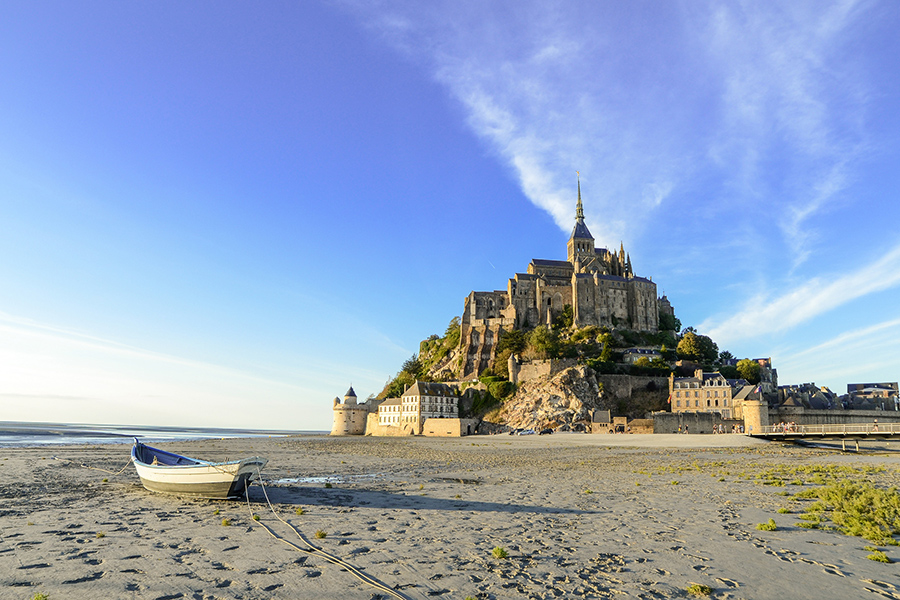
[[564, 400]]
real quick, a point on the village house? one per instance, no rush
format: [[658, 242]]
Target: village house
[[422, 400], [706, 392]]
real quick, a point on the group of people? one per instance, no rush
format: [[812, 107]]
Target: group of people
[[787, 427], [720, 428]]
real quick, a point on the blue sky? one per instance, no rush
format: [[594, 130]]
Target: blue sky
[[224, 213]]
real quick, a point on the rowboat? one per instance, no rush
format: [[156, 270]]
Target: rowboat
[[170, 473]]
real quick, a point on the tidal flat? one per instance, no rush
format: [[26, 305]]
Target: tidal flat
[[486, 517]]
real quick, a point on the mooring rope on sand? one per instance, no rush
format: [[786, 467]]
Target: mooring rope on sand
[[315, 550], [119, 472]]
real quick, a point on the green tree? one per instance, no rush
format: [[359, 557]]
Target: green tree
[[725, 357], [749, 370], [606, 353], [413, 366], [697, 348], [511, 342], [659, 363], [668, 322], [451, 335], [542, 343], [729, 372], [564, 319]]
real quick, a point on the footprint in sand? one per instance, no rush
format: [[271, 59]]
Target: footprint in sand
[[883, 593], [728, 582]]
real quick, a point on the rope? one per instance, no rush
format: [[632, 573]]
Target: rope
[[312, 549], [119, 472]]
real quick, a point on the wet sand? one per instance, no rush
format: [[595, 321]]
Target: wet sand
[[580, 516]]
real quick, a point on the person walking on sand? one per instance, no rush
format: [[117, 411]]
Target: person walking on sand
[[875, 426]]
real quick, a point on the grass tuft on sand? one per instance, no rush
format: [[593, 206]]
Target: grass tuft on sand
[[768, 526], [698, 589], [856, 508]]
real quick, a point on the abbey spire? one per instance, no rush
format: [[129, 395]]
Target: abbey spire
[[579, 209], [581, 242]]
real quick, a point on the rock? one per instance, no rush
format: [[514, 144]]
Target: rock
[[566, 401]]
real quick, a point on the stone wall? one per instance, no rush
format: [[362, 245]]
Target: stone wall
[[634, 396], [803, 416], [449, 427], [542, 368], [373, 428], [695, 422]]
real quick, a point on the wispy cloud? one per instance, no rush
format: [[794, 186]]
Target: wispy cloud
[[805, 301], [865, 354], [642, 102], [792, 107]]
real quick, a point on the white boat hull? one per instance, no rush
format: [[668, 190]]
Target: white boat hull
[[199, 479]]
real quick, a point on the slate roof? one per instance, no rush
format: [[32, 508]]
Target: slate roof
[[543, 262], [428, 388], [581, 231], [744, 392], [350, 393]]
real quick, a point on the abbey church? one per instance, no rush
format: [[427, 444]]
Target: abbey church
[[597, 283]]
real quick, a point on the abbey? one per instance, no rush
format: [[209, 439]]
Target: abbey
[[598, 284]]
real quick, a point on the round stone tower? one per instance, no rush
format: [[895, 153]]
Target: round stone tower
[[349, 417], [756, 415]]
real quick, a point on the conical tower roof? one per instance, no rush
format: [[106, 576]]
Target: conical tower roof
[[580, 231]]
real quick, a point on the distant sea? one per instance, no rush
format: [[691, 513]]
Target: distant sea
[[14, 433]]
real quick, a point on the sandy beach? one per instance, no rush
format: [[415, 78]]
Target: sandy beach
[[580, 516]]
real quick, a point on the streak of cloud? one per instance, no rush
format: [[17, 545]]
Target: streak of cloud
[[642, 102], [807, 300]]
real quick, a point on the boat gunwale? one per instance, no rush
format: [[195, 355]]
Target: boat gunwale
[[197, 462]]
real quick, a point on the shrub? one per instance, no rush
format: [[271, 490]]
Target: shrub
[[858, 509], [499, 552], [784, 511], [697, 589], [321, 535], [879, 556], [299, 511], [100, 534], [256, 517], [226, 523], [768, 526], [328, 486]]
